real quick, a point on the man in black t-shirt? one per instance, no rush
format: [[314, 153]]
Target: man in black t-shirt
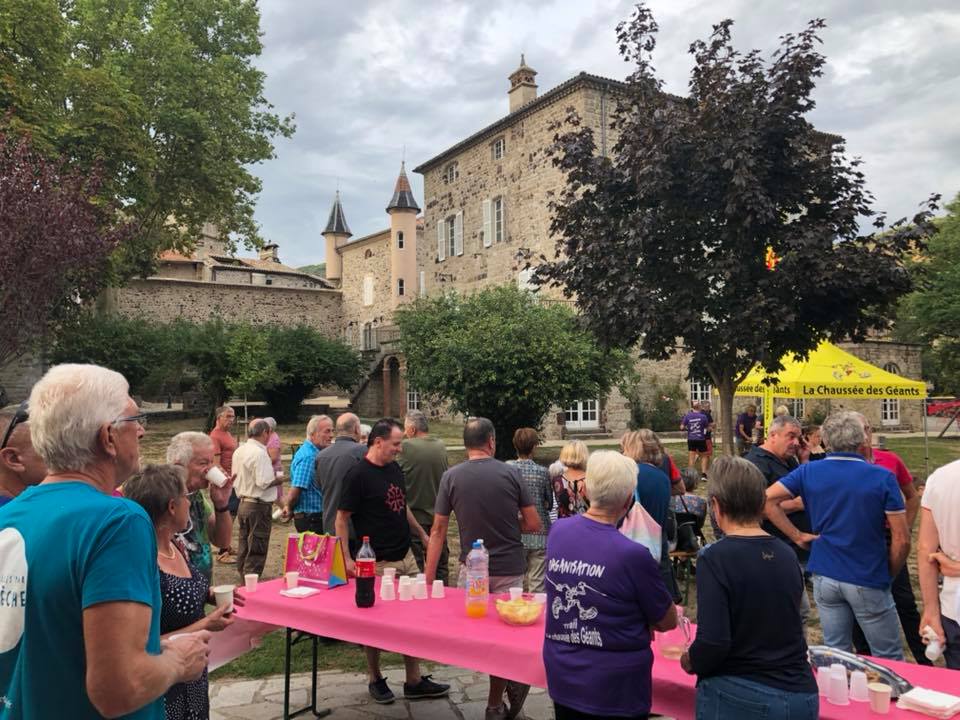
[[375, 499], [776, 458]]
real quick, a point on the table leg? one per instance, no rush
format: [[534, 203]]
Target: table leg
[[312, 707]]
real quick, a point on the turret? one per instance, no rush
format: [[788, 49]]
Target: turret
[[336, 234], [403, 211]]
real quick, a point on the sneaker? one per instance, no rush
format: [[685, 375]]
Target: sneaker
[[380, 692], [516, 696], [426, 688], [497, 713]]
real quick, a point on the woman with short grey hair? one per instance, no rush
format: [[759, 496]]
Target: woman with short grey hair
[[609, 588], [750, 651], [162, 491]]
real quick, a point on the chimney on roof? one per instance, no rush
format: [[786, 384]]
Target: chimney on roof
[[269, 252], [523, 89]]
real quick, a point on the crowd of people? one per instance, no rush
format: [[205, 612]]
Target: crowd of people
[[115, 608]]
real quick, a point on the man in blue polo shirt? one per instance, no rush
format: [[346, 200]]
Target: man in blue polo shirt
[[305, 501], [848, 501]]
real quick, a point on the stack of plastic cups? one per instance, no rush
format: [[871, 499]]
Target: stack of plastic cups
[[437, 590], [405, 590], [858, 686], [420, 589], [823, 680], [387, 589], [839, 690]]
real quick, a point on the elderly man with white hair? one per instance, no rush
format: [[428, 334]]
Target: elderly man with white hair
[[847, 500], [210, 521], [80, 621], [604, 595]]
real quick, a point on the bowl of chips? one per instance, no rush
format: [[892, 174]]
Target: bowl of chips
[[525, 610]]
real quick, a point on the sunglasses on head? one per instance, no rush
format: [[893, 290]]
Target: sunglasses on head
[[20, 416]]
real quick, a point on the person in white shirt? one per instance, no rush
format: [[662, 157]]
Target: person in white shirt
[[258, 488], [938, 553]]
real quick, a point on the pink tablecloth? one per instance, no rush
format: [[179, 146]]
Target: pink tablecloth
[[438, 630]]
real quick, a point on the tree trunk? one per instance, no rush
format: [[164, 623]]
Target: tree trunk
[[725, 388]]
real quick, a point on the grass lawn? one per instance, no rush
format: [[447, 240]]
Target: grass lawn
[[268, 659]]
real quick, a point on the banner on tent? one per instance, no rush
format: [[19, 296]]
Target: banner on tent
[[861, 390]]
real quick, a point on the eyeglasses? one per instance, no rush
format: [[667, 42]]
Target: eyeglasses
[[141, 418], [20, 416]]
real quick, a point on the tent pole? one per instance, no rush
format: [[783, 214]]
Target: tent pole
[[926, 443]]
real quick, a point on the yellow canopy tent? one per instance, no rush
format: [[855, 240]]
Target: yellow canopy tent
[[830, 373]]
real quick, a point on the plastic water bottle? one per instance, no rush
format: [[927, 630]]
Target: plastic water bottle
[[478, 581], [365, 568]]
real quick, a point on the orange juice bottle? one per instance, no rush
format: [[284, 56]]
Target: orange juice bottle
[[478, 581]]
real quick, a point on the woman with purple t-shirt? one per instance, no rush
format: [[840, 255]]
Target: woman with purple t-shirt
[[604, 594]]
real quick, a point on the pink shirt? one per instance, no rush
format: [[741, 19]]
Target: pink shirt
[[273, 443], [224, 444]]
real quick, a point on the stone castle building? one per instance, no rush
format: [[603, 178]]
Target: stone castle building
[[485, 208]]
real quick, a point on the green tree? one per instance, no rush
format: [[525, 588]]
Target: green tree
[[931, 314], [502, 355], [250, 358], [162, 96], [303, 360], [668, 239]]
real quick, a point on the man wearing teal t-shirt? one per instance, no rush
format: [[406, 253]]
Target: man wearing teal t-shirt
[[79, 585]]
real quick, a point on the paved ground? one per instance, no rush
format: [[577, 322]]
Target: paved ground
[[346, 694]]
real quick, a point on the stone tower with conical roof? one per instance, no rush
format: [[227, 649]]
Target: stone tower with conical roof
[[403, 211], [336, 233], [523, 88]]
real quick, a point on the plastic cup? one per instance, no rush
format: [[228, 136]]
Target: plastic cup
[[420, 590], [224, 596], [279, 474], [421, 576], [823, 681], [216, 476], [390, 572], [292, 579], [387, 589], [540, 598], [838, 693], [858, 686], [250, 582], [437, 590], [406, 590], [516, 593], [879, 696]]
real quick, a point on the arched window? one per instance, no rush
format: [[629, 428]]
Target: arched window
[[368, 254]]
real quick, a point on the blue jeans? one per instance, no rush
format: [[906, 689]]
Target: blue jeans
[[839, 603], [728, 697]]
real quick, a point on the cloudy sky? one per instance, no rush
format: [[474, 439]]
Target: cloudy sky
[[369, 78]]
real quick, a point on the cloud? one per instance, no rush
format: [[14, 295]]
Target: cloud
[[373, 81]]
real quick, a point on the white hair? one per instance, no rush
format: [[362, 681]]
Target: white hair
[[365, 429], [68, 406], [314, 422], [611, 479], [843, 431], [184, 445], [272, 423], [556, 469]]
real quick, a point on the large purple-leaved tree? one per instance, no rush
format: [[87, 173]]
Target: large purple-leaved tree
[[723, 224], [54, 241]]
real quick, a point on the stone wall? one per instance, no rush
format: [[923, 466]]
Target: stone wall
[[167, 299], [369, 257], [19, 375]]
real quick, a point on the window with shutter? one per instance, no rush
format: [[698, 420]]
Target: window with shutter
[[451, 236], [498, 230], [400, 287], [458, 233], [487, 224], [441, 247], [400, 240], [423, 283], [368, 290]]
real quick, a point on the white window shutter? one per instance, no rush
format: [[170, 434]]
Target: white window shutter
[[423, 283], [368, 290], [487, 224], [441, 240], [458, 233]]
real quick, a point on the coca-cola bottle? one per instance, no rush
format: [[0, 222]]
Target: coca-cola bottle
[[365, 568]]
